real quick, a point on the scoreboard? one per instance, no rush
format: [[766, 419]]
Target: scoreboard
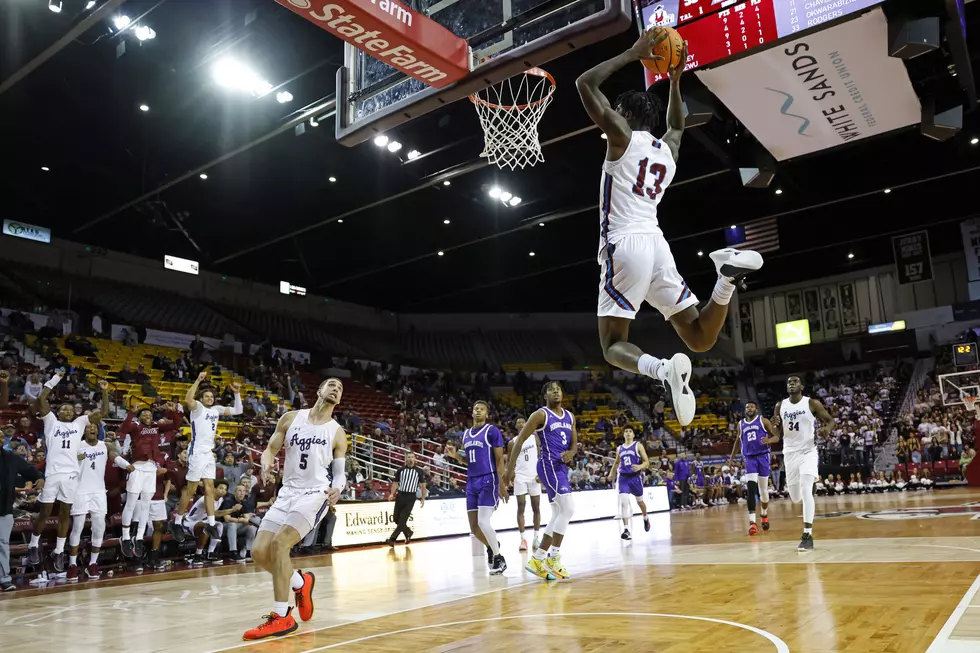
[[965, 353], [718, 29]]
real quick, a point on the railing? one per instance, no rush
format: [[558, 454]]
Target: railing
[[383, 460]]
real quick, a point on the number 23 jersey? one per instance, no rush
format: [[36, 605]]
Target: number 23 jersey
[[632, 188], [309, 452], [798, 425]]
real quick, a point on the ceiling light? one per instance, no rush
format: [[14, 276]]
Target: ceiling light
[[121, 22], [850, 256], [282, 97], [54, 6], [733, 227], [530, 253], [446, 183], [446, 221], [779, 191], [441, 253], [341, 221], [45, 168], [505, 196], [514, 201], [332, 179], [414, 154], [204, 175], [144, 108], [540, 224], [494, 192], [237, 76], [90, 4], [314, 123], [381, 140], [700, 253], [975, 141], [888, 190], [603, 136], [144, 33], [394, 146]]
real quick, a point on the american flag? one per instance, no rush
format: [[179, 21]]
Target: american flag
[[758, 235]]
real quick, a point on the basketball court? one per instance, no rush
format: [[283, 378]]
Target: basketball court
[[891, 573]]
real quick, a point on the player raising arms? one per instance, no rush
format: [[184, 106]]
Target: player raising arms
[[204, 417], [482, 453], [90, 499], [631, 459], [798, 416], [557, 442], [313, 478], [635, 259], [752, 440], [526, 483]]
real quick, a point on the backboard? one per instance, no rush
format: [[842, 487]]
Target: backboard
[[506, 37], [957, 385]]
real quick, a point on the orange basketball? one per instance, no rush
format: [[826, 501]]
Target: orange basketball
[[670, 49]]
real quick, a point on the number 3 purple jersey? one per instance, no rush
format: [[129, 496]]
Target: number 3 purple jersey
[[554, 439]]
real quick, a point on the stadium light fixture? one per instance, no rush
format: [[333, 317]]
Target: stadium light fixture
[[45, 169], [850, 255], [733, 227], [603, 136], [340, 221], [55, 6], [314, 123], [414, 154], [975, 141], [91, 3], [381, 140], [530, 253], [495, 192], [122, 21], [505, 196], [540, 224], [442, 253], [394, 146], [332, 179], [144, 33], [446, 221], [700, 253], [237, 76], [446, 183], [779, 191], [282, 97], [144, 108], [204, 175], [514, 201], [888, 190]]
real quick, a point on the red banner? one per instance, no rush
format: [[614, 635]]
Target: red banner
[[393, 34]]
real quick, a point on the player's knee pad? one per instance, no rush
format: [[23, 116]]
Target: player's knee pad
[[567, 507], [764, 489], [98, 530], [77, 525], [624, 506]]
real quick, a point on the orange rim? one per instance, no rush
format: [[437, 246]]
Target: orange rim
[[537, 72]]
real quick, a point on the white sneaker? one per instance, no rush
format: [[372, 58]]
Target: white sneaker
[[734, 264], [678, 378]]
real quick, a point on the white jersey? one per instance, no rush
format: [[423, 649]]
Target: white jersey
[[91, 473], [61, 440], [527, 459], [632, 188], [204, 429], [309, 452], [196, 514], [799, 425]]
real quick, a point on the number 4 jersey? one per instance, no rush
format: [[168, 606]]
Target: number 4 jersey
[[798, 425], [309, 452]]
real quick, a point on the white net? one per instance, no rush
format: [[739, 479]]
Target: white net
[[509, 113]]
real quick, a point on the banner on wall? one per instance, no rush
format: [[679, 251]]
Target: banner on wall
[[184, 340], [912, 257], [121, 331], [829, 88], [971, 247], [371, 523]]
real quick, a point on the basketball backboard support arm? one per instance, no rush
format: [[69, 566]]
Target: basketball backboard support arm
[[359, 118]]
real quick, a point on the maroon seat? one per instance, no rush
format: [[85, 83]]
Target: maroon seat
[[939, 469]]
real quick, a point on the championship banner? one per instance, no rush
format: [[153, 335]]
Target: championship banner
[[830, 88], [373, 522], [912, 257], [971, 247]]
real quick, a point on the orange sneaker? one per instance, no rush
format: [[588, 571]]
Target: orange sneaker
[[274, 626], [753, 529], [765, 523], [304, 596]]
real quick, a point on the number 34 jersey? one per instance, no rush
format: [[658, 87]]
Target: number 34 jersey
[[309, 452], [798, 425], [632, 188]]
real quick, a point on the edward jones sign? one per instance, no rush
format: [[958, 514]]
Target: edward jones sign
[[393, 34]]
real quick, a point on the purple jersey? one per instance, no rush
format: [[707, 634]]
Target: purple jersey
[[752, 432], [478, 447], [628, 456], [556, 436]]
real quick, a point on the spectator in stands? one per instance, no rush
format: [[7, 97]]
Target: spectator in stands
[[233, 469], [369, 493], [32, 389], [125, 375], [968, 454], [241, 509]]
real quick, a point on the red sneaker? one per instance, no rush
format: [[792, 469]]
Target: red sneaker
[[753, 529], [304, 596], [765, 523], [274, 626], [72, 574], [92, 572]]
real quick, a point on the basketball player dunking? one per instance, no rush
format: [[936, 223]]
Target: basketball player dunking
[[313, 478], [798, 417], [204, 417], [482, 453], [554, 428], [635, 259], [62, 435], [631, 459], [752, 432], [526, 484]]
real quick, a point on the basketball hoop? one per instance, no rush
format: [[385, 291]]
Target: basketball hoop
[[970, 402], [509, 113]]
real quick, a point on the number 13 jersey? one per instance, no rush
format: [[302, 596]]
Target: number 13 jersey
[[309, 452], [632, 188], [798, 425]]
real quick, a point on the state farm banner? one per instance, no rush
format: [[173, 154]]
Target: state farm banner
[[372, 522], [833, 87], [912, 257], [393, 34]]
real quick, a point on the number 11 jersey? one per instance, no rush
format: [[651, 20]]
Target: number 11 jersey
[[798, 425]]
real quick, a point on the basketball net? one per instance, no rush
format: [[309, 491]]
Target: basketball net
[[509, 113], [971, 403]]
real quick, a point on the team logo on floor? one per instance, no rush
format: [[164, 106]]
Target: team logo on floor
[[897, 514]]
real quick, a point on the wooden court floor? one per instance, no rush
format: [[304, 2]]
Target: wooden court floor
[[890, 573]]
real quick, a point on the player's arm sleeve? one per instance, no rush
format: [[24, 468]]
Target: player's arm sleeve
[[338, 467], [237, 408]]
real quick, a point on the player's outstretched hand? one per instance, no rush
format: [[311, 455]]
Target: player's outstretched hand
[[203, 375], [333, 496], [649, 39], [236, 387], [675, 72]]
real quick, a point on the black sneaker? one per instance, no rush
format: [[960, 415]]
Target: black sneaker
[[34, 556], [139, 549], [177, 530], [127, 548], [646, 525], [806, 543], [58, 560], [198, 560], [215, 559], [212, 530], [490, 557], [8, 587], [499, 565], [408, 535], [626, 534], [154, 562]]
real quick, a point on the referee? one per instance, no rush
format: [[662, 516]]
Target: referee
[[408, 480]]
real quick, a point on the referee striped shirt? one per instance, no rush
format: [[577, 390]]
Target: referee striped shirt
[[408, 479]]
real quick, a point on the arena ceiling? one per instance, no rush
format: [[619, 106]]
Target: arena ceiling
[[272, 213]]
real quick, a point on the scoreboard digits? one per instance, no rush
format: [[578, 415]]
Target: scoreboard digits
[[964, 353]]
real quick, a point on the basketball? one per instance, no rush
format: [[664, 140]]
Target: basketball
[[671, 49]]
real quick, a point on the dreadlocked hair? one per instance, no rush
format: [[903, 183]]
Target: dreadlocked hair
[[640, 108]]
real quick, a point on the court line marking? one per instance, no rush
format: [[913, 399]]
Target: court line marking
[[780, 645], [940, 643]]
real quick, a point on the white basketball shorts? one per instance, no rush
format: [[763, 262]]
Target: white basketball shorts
[[91, 502], [300, 508], [59, 487], [639, 268], [143, 480], [800, 463], [526, 485], [200, 466], [158, 511]]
